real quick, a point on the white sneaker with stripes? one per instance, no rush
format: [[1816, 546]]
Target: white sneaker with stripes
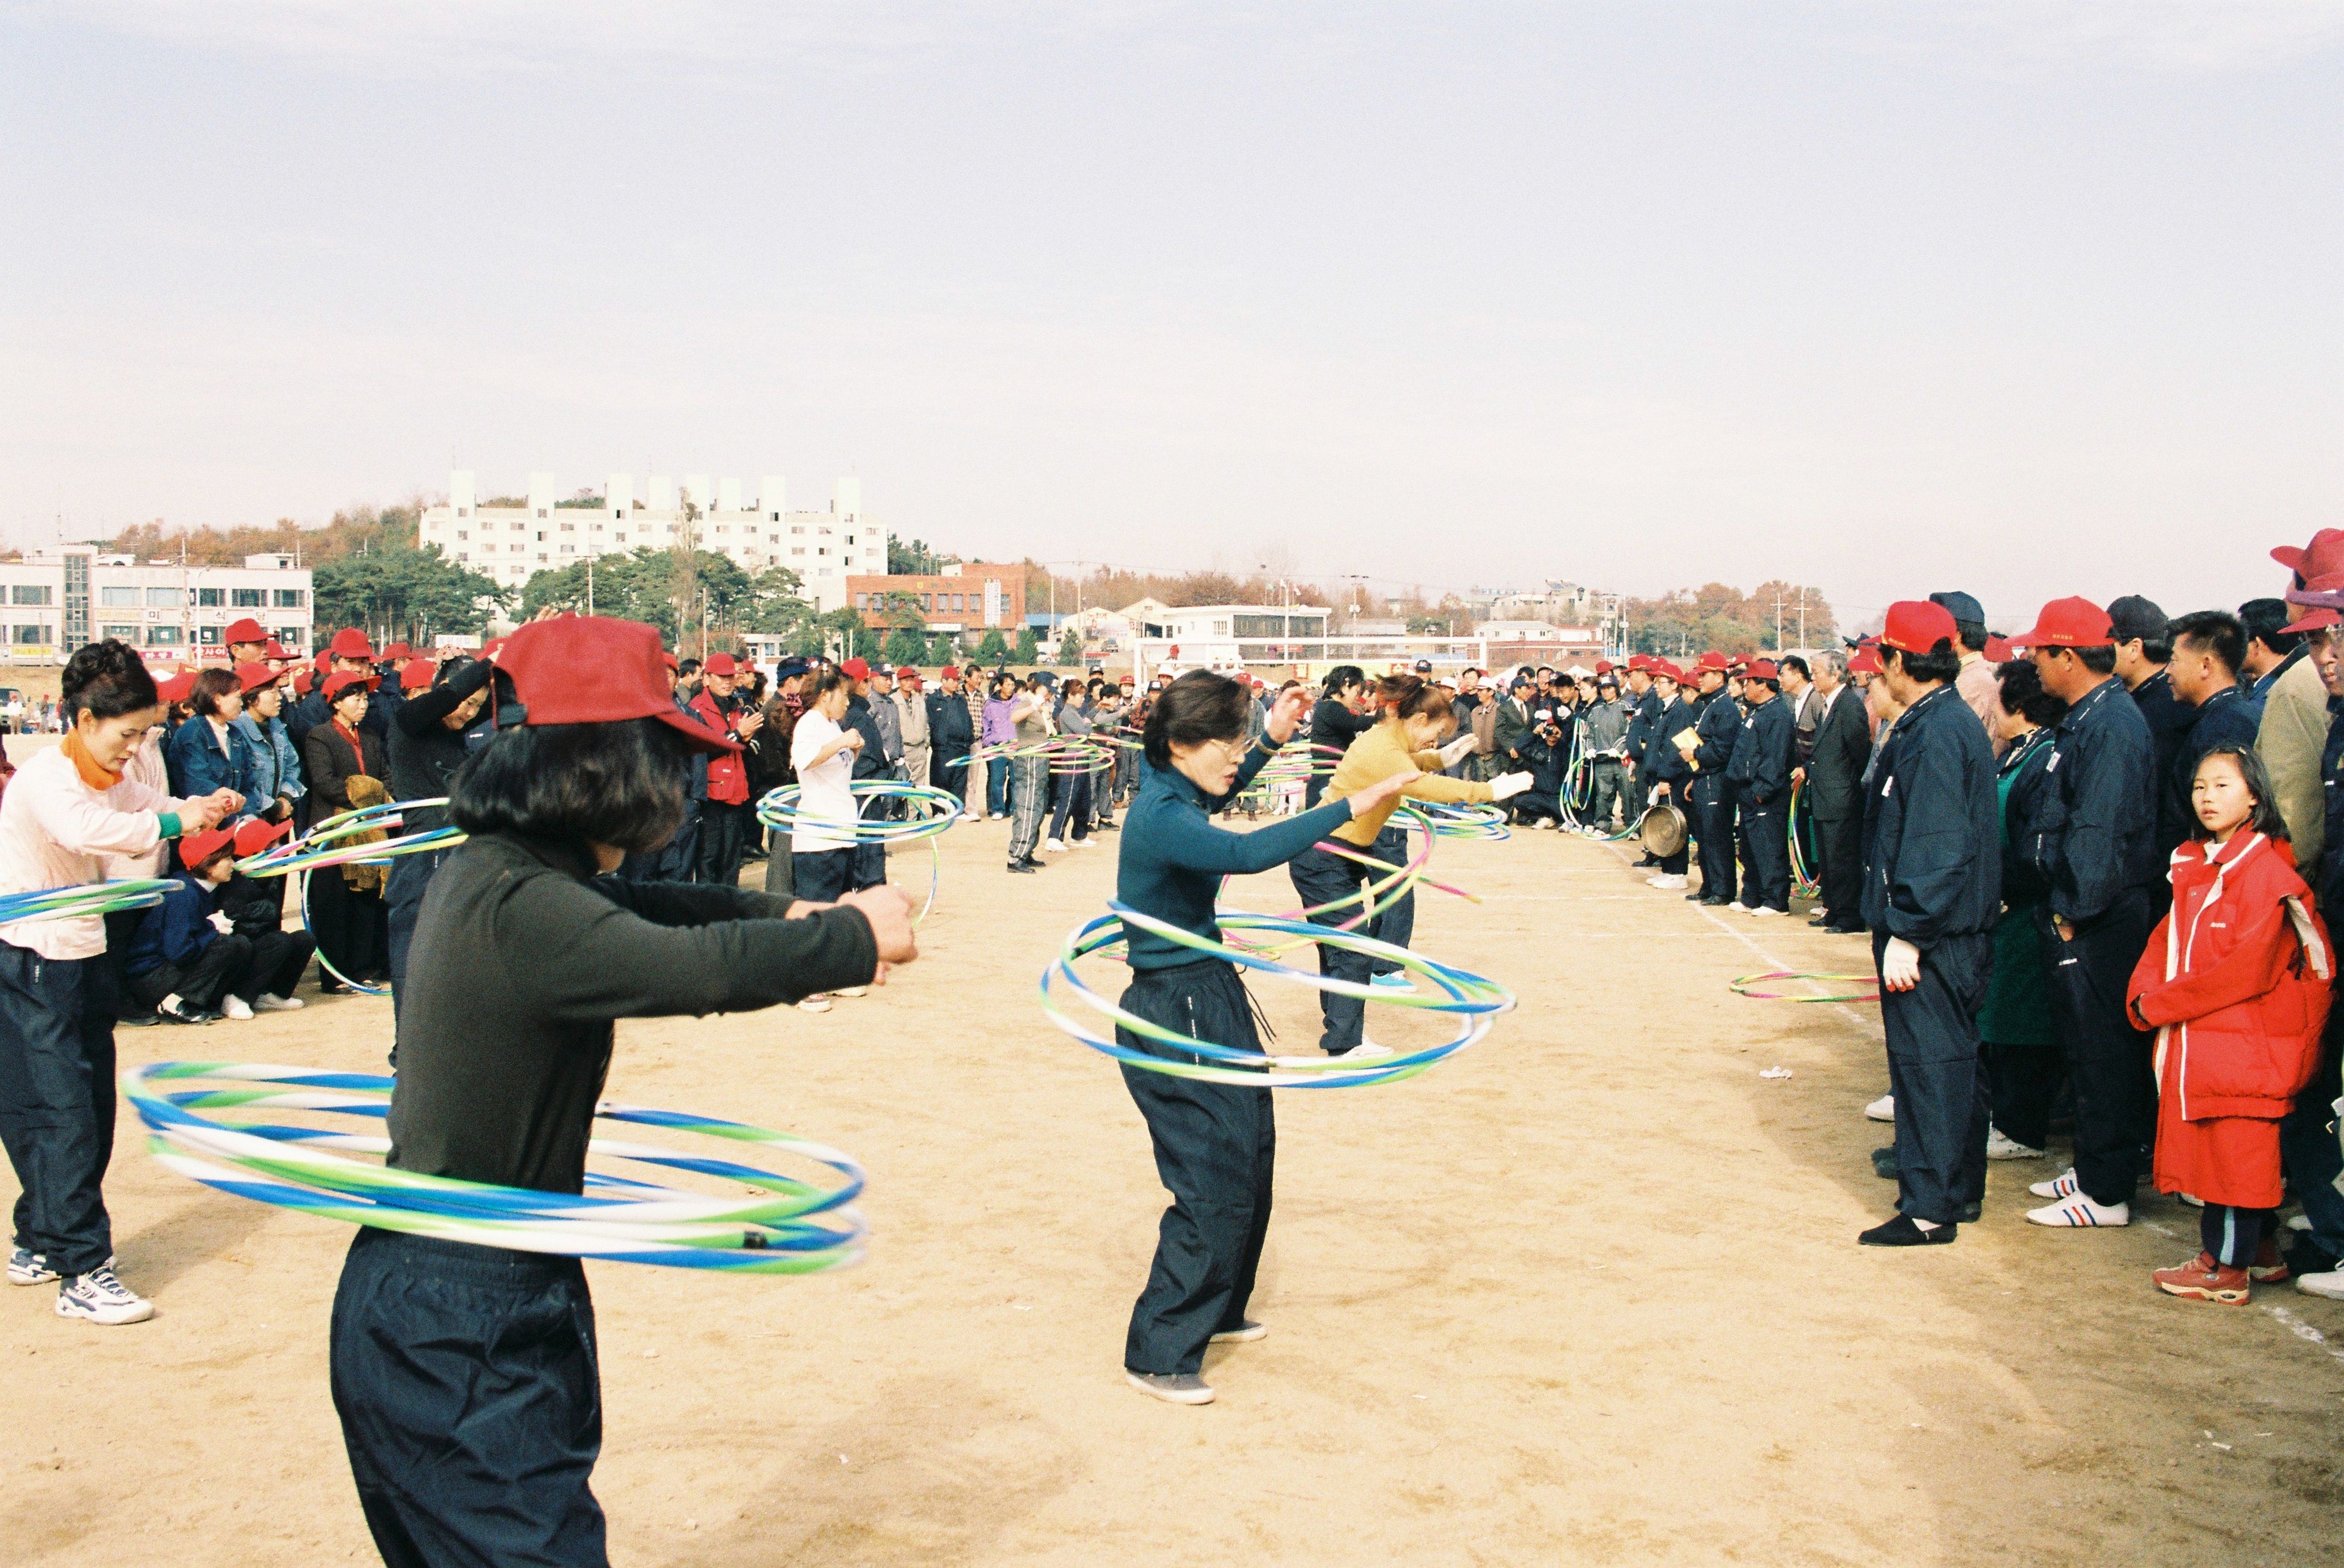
[[97, 1296], [2078, 1212], [2063, 1185]]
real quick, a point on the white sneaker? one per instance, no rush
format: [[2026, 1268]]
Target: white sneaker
[[2190, 1200], [2000, 1147], [2329, 1285], [2078, 1212], [1541, 824], [270, 1002], [1669, 884], [1764, 909], [2298, 1222], [100, 1298], [1739, 907], [27, 1267], [1247, 1333], [1884, 1110], [1366, 1051], [1053, 843], [814, 1005], [1087, 844], [2063, 1185], [235, 1007], [852, 991]]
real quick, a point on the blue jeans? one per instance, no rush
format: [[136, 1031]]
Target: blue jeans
[[996, 787]]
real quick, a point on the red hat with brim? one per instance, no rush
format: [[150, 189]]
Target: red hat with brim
[[417, 675], [253, 835], [952, 672], [668, 660], [350, 643], [719, 664], [196, 848], [2069, 623], [855, 669], [2322, 556], [1763, 670], [178, 688], [594, 670], [339, 683], [276, 650], [1998, 650], [1865, 661], [2326, 592], [253, 677], [301, 680], [398, 651], [1918, 625], [245, 630], [2315, 621]]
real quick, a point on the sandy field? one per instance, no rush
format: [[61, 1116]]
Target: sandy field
[[1588, 1293]]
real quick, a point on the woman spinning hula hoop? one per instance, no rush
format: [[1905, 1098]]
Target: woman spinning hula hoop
[[1215, 1143], [1416, 715], [66, 809], [465, 1375]]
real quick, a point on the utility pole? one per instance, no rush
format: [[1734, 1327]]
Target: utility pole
[[1803, 614]]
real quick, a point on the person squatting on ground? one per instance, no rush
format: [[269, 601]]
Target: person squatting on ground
[[65, 809], [1215, 1144], [193, 959], [466, 1377]]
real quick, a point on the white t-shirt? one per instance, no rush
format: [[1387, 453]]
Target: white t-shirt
[[823, 791]]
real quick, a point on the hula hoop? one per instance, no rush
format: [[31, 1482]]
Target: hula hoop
[[1741, 986], [793, 1227], [1474, 1001], [1804, 883], [938, 810], [84, 898]]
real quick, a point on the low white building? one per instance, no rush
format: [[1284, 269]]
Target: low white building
[[510, 543], [61, 599]]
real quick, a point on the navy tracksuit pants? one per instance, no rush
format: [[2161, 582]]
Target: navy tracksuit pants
[[1322, 878], [56, 1102], [470, 1400], [1216, 1147], [1713, 826], [2107, 1058], [1944, 1104], [1765, 857]]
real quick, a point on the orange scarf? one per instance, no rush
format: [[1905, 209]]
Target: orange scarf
[[93, 772]]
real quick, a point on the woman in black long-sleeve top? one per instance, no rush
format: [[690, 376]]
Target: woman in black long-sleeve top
[[346, 910], [466, 1376], [426, 747]]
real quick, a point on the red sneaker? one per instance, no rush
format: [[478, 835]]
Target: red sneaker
[[2269, 1267], [2203, 1279]]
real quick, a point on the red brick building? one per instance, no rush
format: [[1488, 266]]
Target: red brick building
[[973, 597]]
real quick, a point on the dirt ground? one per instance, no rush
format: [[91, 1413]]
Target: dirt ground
[[1587, 1293]]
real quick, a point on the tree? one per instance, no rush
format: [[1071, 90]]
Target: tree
[[993, 649], [904, 646], [916, 559], [402, 595], [1029, 651], [1070, 648], [940, 650]]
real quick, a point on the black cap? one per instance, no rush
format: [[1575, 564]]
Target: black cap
[[2135, 617], [1960, 606], [1424, 666]]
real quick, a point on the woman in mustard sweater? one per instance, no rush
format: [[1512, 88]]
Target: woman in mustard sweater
[[1417, 716]]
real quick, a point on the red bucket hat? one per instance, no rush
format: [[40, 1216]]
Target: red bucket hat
[[592, 670], [341, 680], [197, 847], [178, 688], [398, 651], [417, 675], [350, 643], [719, 664], [2070, 624], [252, 677], [253, 835], [276, 650], [245, 630], [1916, 625], [855, 669], [2324, 556]]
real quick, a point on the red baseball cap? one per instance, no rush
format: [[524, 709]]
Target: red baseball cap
[[2323, 556], [417, 675], [1763, 670], [1865, 661], [719, 664], [952, 672], [2069, 623], [341, 680], [1998, 650], [398, 651], [668, 660], [253, 835], [196, 848], [594, 670], [178, 688], [2315, 621], [301, 680], [1917, 625], [252, 677], [245, 630], [350, 642], [276, 650], [856, 668]]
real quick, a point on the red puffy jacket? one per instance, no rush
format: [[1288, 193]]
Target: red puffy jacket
[[2236, 980], [728, 781]]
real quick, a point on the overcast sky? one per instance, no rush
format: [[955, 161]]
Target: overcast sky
[[2030, 297]]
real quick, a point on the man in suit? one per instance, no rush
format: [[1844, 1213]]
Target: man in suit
[[1834, 793]]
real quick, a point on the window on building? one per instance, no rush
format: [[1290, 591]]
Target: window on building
[[292, 598], [521, 528], [463, 511], [245, 598], [798, 529], [210, 635], [621, 536], [166, 598], [569, 550], [34, 636], [291, 636], [210, 598], [464, 533], [863, 601], [850, 539], [797, 549], [121, 598], [463, 555], [776, 517], [162, 636], [567, 527], [120, 634], [541, 514], [28, 594], [927, 601], [821, 549]]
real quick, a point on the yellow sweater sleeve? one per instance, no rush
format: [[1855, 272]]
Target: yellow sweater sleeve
[[1380, 753]]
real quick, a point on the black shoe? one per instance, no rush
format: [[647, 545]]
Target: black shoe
[[1709, 903], [1819, 920], [1103, 826], [2309, 1257], [1847, 931], [1036, 863], [1972, 1212], [1025, 865], [1884, 1163], [137, 1021], [1902, 1232]]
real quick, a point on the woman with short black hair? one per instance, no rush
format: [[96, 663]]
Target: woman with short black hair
[[465, 1376]]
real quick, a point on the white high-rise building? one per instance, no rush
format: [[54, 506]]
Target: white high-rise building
[[510, 541]]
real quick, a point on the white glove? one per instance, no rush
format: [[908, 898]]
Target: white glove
[[1900, 964], [1456, 749], [220, 923], [1506, 786]]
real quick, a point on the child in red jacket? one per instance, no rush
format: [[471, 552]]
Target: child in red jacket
[[2235, 981]]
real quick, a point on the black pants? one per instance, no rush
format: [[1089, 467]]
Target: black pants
[[1322, 878], [724, 839], [1839, 844], [680, 861], [1765, 857], [1070, 797], [1606, 790], [2308, 1148], [1944, 1105], [402, 904], [1712, 826], [1216, 1145], [470, 1399], [56, 1102], [2107, 1058], [2023, 1078], [820, 876], [2230, 1236], [202, 981], [867, 866], [350, 925], [781, 878]]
